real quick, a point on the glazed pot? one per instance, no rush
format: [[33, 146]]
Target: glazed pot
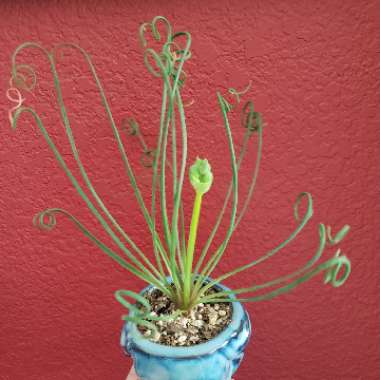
[[216, 359]]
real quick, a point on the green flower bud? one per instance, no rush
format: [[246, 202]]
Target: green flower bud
[[201, 176]]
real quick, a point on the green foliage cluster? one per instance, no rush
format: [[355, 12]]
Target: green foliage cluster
[[175, 270]]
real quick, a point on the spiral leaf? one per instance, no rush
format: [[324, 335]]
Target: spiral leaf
[[18, 99], [333, 272], [45, 220], [173, 258], [238, 94], [339, 236], [24, 77]]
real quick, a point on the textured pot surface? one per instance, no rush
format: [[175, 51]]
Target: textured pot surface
[[216, 359]]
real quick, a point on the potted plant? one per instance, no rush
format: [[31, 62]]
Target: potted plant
[[185, 324]]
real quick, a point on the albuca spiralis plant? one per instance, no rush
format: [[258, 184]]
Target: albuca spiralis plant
[[174, 269]]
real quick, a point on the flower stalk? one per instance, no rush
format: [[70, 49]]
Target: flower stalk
[[201, 179]]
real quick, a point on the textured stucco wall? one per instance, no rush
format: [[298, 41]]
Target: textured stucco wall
[[314, 67]]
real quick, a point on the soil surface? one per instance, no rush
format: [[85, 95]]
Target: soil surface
[[201, 324]]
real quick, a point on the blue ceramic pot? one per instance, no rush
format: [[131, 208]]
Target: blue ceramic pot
[[216, 359]]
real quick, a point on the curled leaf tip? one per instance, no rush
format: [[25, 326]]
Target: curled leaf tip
[[332, 274], [339, 236], [14, 95], [201, 176]]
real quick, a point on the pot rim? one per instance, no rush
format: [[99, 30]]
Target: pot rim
[[131, 333]]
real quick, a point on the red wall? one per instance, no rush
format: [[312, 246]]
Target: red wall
[[315, 77]]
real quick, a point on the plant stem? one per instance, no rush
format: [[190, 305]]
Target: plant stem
[[190, 247]]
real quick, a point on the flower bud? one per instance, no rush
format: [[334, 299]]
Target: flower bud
[[201, 176]]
